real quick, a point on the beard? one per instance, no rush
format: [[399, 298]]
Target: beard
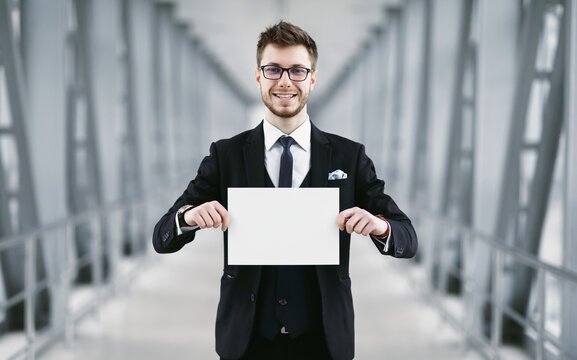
[[284, 111]]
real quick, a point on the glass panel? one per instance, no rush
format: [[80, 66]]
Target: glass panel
[[537, 102], [552, 237], [10, 161], [527, 172], [5, 117], [549, 40], [16, 20]]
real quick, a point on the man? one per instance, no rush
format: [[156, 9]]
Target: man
[[287, 312]]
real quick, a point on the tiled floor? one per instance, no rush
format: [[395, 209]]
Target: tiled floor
[[169, 312]]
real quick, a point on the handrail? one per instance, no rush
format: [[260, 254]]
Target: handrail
[[9, 241], [494, 295], [63, 280], [524, 257]]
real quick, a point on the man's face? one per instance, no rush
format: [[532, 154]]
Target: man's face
[[283, 97]]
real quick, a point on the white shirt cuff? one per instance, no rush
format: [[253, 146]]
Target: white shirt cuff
[[385, 242]]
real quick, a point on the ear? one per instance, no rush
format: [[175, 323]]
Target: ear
[[257, 75], [313, 78]]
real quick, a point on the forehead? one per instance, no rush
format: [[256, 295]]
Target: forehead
[[286, 56]]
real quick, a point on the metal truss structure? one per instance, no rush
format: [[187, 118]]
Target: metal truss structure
[[485, 224], [468, 107], [127, 112]]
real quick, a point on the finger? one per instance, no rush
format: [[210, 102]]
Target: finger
[[341, 220], [189, 218], [224, 216], [369, 229], [215, 216], [351, 223], [206, 217], [344, 216], [361, 226], [197, 218], [225, 220], [217, 206]]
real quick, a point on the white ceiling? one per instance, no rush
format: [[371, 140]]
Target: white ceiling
[[229, 29]]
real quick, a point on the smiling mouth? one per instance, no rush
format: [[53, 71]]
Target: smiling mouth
[[285, 96]]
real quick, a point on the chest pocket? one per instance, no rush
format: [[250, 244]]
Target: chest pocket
[[346, 192]]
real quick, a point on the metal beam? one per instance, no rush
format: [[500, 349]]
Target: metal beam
[[569, 293], [520, 220], [541, 182], [162, 156], [420, 174], [531, 30], [43, 33], [398, 19], [22, 204], [130, 162], [456, 125], [457, 191], [83, 164]]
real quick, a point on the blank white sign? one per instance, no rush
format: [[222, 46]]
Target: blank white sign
[[283, 226]]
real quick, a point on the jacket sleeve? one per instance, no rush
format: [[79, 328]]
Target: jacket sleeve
[[371, 197], [200, 190]]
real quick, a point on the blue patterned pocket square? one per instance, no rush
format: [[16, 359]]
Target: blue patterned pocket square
[[337, 175]]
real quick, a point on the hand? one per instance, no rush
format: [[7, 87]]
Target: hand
[[209, 214], [361, 221]]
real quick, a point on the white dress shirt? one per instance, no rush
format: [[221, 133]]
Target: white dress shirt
[[300, 150]]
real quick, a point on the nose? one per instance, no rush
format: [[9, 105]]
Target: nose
[[284, 79]]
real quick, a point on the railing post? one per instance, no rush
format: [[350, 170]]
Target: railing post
[[441, 252], [97, 255], [30, 293], [540, 345], [467, 283], [116, 242], [429, 259], [66, 283], [497, 298]]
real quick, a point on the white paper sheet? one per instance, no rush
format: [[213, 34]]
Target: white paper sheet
[[283, 226]]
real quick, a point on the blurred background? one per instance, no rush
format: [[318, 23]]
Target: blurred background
[[467, 107]]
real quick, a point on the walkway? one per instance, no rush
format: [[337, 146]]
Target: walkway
[[169, 312]]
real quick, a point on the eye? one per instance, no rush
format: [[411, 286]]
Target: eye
[[298, 71], [272, 70]]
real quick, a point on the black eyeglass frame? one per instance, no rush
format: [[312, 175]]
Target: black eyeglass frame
[[287, 71]]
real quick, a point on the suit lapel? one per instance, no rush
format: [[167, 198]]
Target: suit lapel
[[254, 157], [321, 156], [321, 161], [253, 150]]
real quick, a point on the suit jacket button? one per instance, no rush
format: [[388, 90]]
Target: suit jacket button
[[252, 297], [283, 302]]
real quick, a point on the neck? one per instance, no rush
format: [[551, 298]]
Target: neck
[[285, 124]]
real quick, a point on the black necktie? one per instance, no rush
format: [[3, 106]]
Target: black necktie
[[285, 178]]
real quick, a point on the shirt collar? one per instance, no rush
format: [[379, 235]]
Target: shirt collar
[[301, 135]]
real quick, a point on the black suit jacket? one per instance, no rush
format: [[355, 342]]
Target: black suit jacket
[[239, 162]]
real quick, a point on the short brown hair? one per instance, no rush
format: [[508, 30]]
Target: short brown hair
[[285, 34]]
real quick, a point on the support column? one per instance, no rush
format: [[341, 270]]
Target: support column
[[420, 171], [18, 210], [397, 17], [497, 28], [84, 190], [43, 38], [569, 296], [129, 165], [530, 159]]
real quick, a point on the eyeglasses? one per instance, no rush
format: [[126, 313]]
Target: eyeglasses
[[273, 72]]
